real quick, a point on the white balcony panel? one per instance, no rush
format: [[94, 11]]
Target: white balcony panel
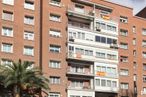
[[91, 43], [81, 93], [109, 32], [89, 58], [106, 89]]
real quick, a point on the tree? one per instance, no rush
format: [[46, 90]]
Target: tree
[[23, 79]]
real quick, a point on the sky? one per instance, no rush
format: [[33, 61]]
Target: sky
[[137, 5]]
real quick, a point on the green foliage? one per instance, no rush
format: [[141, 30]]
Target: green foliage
[[23, 78]]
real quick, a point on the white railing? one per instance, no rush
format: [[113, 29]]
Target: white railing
[[80, 11], [79, 25]]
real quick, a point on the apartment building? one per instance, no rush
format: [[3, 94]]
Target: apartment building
[[87, 48]]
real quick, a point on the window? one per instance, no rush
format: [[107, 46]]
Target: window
[[134, 77], [123, 58], [55, 33], [108, 83], [105, 40], [143, 31], [76, 84], [144, 89], [7, 15], [79, 51], [55, 48], [28, 51], [123, 32], [80, 35], [111, 57], [144, 54], [144, 43], [6, 47], [103, 82], [134, 41], [124, 86], [134, 52], [100, 55], [29, 4], [89, 52], [124, 45], [54, 94], [29, 20], [55, 2], [144, 66], [114, 84], [97, 38], [134, 29], [144, 78], [9, 2], [7, 31], [134, 65], [124, 72], [54, 64], [6, 62], [71, 48], [28, 35], [103, 26], [79, 8], [55, 17], [54, 80], [111, 28], [123, 19], [77, 69], [97, 82]]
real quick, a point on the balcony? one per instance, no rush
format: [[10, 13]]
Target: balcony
[[106, 74], [107, 18], [78, 25], [83, 73], [107, 89], [82, 13], [80, 88], [92, 43], [79, 56]]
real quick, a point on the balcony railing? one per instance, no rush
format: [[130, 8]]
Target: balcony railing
[[78, 25], [107, 17], [105, 74], [80, 88], [84, 73], [80, 56], [107, 89], [85, 12]]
